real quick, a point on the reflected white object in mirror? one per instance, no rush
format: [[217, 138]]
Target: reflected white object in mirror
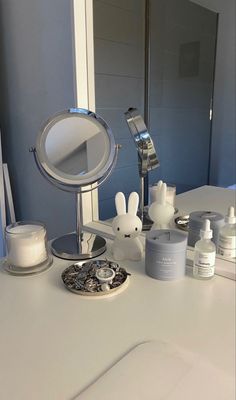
[[160, 211]]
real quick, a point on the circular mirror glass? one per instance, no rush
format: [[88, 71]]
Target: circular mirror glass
[[75, 147]]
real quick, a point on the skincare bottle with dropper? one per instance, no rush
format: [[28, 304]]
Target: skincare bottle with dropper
[[204, 254], [227, 236]]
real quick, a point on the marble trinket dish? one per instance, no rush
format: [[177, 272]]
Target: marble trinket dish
[[95, 278]]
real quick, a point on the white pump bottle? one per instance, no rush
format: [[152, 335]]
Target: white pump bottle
[[227, 236], [204, 254]]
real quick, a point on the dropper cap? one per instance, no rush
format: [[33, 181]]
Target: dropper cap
[[230, 217], [206, 232]]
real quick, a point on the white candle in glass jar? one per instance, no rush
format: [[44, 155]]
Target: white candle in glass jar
[[26, 244]]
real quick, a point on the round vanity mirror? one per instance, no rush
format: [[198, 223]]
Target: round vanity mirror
[[76, 148]]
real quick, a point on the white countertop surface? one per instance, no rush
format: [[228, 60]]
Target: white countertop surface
[[207, 198], [54, 343]]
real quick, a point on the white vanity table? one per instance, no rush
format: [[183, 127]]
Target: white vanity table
[[54, 343]]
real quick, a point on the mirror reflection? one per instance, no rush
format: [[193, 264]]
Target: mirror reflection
[[159, 57], [76, 146], [40, 82]]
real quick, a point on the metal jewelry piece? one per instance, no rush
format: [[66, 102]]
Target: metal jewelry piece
[[105, 287], [105, 274]]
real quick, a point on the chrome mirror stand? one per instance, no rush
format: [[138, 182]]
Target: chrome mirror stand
[[143, 210], [147, 157], [78, 245], [76, 152]]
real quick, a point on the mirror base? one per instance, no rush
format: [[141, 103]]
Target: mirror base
[[66, 246]]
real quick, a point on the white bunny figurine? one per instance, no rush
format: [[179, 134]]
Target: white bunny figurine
[[127, 226], [161, 212]]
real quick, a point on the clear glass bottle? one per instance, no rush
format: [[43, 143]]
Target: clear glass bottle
[[227, 236], [204, 254]]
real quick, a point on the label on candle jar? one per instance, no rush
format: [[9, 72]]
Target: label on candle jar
[[26, 245]]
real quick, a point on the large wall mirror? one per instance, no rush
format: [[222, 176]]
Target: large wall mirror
[[157, 56]]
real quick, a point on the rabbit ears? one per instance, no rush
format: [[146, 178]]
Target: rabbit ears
[[161, 192], [121, 203]]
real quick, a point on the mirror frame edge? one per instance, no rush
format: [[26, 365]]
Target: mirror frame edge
[[84, 81]]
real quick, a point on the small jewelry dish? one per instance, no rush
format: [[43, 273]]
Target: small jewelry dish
[[27, 249], [95, 278]]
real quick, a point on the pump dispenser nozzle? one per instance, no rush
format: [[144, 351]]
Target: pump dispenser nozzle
[[206, 232], [230, 217]]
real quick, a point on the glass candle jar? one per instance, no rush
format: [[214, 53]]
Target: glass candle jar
[[26, 244], [170, 194]]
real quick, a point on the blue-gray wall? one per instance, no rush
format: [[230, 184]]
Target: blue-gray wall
[[223, 158], [36, 81], [183, 38]]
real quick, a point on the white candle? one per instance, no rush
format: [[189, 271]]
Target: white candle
[[26, 244]]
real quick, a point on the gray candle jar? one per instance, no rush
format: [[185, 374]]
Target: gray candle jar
[[196, 220], [165, 257]]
